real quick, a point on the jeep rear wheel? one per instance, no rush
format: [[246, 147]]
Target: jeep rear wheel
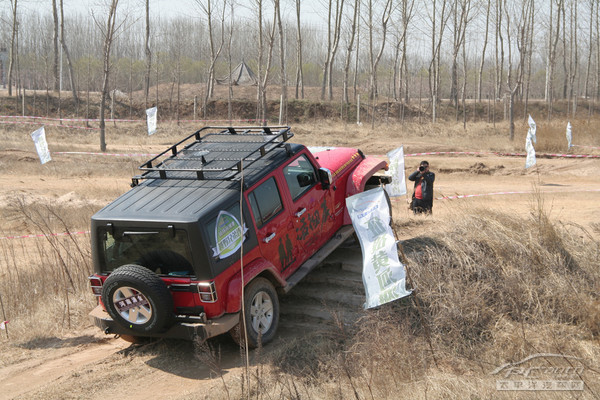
[[261, 308], [137, 299]]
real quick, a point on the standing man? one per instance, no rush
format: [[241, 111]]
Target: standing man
[[422, 198]]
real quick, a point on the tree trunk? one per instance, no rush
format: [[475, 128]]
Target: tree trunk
[[55, 68], [283, 110], [66, 50], [345, 96], [11, 60], [148, 56], [108, 39], [485, 42], [299, 74]]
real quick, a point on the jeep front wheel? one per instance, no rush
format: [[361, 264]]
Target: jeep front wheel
[[137, 299], [261, 309]]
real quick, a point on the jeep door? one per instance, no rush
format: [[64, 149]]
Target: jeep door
[[273, 225], [308, 204]]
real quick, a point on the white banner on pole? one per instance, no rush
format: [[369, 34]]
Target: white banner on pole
[[398, 186], [384, 276], [529, 141], [41, 145], [151, 120], [569, 134]]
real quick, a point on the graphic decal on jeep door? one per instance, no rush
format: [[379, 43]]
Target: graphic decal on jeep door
[[229, 235], [286, 252]]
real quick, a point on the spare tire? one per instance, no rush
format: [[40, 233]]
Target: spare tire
[[138, 299]]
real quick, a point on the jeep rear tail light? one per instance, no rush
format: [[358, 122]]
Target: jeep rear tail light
[[96, 284], [207, 291]]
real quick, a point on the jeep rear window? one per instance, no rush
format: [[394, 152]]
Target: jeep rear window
[[163, 251], [265, 202]]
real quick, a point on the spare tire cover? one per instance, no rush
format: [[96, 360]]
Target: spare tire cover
[[138, 299]]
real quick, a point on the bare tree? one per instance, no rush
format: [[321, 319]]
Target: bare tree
[[436, 44], [229, 80], [299, 74], [148, 56], [553, 36], [460, 18], [13, 45], [55, 68], [485, 42], [333, 40], [519, 20], [207, 7], [529, 56], [573, 56], [406, 12], [284, 96], [350, 43], [67, 54], [108, 32], [375, 55], [263, 78], [590, 49]]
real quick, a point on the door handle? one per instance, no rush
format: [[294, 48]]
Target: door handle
[[299, 213], [269, 238]]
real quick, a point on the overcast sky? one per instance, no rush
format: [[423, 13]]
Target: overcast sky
[[174, 8]]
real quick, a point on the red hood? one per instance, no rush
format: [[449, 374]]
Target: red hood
[[336, 159]]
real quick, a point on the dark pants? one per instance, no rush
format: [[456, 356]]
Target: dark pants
[[420, 206]]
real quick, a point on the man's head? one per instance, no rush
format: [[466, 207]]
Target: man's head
[[424, 166]]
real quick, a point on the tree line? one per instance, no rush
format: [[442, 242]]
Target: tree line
[[400, 50]]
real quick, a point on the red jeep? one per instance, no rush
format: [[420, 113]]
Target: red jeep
[[168, 253]]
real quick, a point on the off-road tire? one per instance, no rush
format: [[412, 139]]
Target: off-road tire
[[152, 310], [387, 198], [261, 308]]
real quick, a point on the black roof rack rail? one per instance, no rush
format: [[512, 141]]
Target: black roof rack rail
[[214, 153]]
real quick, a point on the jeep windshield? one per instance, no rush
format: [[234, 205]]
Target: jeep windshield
[[165, 252]]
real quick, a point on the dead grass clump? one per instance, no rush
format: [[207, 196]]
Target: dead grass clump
[[493, 267], [302, 356], [43, 283]]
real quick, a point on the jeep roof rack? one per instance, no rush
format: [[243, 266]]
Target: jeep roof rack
[[214, 153]]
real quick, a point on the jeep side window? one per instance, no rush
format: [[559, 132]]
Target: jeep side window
[[300, 176], [265, 202]]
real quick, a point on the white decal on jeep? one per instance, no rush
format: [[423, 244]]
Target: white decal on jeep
[[229, 235]]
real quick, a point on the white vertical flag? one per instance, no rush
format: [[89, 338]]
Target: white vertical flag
[[151, 120], [3, 325], [383, 273], [529, 141], [569, 134], [41, 145], [396, 171]]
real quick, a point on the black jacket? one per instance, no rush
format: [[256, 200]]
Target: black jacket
[[426, 183]]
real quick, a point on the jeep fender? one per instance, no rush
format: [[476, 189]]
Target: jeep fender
[[251, 271], [361, 174]]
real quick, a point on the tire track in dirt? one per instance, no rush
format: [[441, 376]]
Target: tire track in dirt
[[31, 374]]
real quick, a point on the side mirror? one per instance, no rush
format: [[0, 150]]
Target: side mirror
[[305, 179], [325, 178]]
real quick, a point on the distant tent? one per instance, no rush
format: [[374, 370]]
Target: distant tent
[[241, 75]]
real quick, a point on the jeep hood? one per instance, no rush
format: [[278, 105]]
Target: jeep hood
[[337, 159]]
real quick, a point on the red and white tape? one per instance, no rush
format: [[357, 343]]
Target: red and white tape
[[45, 235], [540, 155], [105, 154], [58, 125], [464, 196]]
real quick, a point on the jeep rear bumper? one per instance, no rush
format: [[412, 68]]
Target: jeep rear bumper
[[180, 330]]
